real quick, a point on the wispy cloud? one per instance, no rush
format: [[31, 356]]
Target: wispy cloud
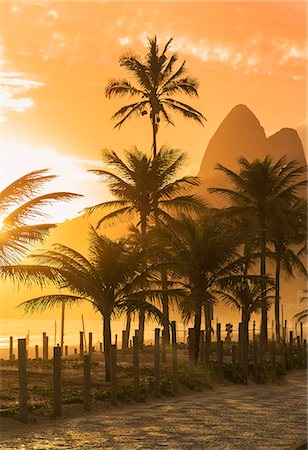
[[14, 86]]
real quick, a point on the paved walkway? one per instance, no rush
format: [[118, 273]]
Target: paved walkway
[[253, 417]]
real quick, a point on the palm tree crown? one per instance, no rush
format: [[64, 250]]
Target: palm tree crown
[[157, 82], [260, 189], [146, 187], [18, 232]]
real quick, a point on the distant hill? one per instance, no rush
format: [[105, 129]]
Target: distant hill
[[241, 134]]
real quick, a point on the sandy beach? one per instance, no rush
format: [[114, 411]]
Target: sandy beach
[[254, 417]]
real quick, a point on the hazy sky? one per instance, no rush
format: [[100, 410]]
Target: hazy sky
[[57, 57]]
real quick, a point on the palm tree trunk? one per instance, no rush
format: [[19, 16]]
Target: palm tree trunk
[[165, 303], [197, 327], [263, 282], [107, 345], [141, 327], [154, 129], [208, 322], [277, 298], [127, 329]]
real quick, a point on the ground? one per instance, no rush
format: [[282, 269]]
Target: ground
[[228, 417]]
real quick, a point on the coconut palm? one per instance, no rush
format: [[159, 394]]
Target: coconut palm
[[19, 208], [156, 82], [147, 189], [302, 315], [258, 189], [288, 236], [202, 255], [243, 292], [112, 280]]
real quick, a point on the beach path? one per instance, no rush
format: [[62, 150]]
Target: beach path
[[229, 417]]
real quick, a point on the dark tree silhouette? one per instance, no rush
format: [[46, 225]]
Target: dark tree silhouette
[[157, 81]]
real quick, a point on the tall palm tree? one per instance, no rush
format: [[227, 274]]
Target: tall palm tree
[[157, 81], [112, 280], [258, 188], [202, 255], [243, 292], [20, 207], [288, 236], [147, 188]]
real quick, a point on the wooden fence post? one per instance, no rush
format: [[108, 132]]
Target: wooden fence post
[[36, 352], [174, 358], [66, 350], [218, 332], [45, 346], [81, 341], [11, 352], [301, 332], [87, 382], [157, 364], [113, 375], [163, 348], [291, 355], [57, 396], [90, 344], [305, 354], [22, 376], [123, 345], [101, 347], [136, 366]]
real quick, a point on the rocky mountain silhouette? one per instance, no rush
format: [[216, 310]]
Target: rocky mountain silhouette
[[241, 134]]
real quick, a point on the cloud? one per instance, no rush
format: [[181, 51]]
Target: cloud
[[72, 175], [53, 13], [13, 87], [125, 41]]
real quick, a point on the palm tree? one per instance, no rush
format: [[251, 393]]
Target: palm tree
[[203, 255], [259, 187], [157, 81], [243, 292], [304, 313], [112, 280], [147, 188], [288, 235], [19, 208]]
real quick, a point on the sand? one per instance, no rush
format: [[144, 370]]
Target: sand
[[228, 417]]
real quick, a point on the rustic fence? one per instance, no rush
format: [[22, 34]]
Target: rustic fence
[[216, 359]]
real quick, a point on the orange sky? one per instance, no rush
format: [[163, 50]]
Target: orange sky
[[56, 58]]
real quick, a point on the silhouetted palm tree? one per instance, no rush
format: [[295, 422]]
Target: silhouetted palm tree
[[243, 292], [288, 235], [112, 280], [157, 82], [304, 313], [258, 189], [19, 208], [147, 188], [202, 255]]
